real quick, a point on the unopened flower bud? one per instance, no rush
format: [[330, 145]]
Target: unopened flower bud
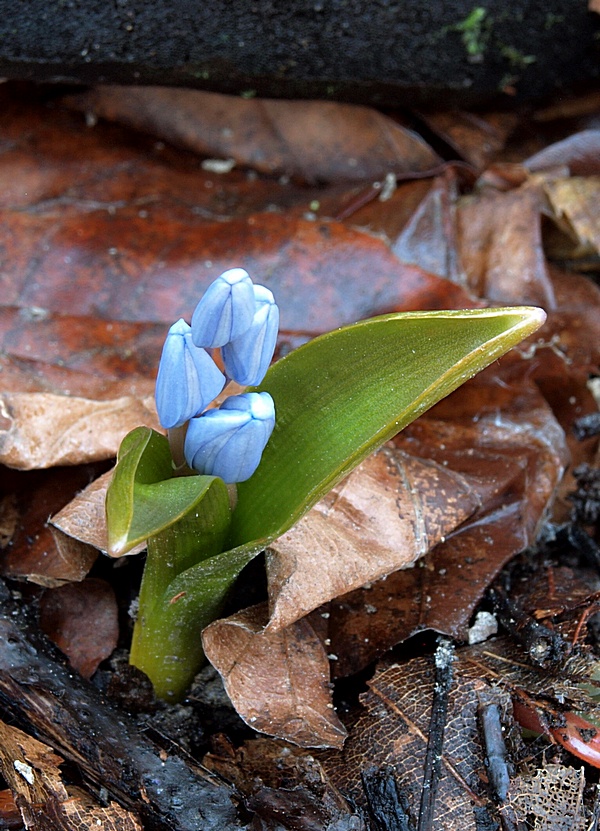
[[247, 357], [188, 378], [225, 310], [229, 442]]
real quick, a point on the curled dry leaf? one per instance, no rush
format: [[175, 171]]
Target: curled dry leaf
[[498, 436], [82, 620], [39, 430], [385, 515], [317, 140], [579, 154], [83, 520], [277, 681], [31, 770], [500, 246], [576, 205]]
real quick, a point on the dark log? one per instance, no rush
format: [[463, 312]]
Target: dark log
[[387, 52], [40, 695]]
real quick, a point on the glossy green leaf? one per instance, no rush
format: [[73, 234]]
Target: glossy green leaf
[[144, 498], [167, 643], [342, 395]]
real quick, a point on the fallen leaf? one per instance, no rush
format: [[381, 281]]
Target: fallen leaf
[[385, 515], [499, 436], [277, 681], [500, 246], [45, 430], [278, 779], [317, 140], [81, 619], [476, 138], [553, 797], [576, 204], [31, 553], [578, 154]]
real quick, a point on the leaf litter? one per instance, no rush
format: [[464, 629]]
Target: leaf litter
[[106, 245]]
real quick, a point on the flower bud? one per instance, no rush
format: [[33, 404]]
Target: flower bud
[[229, 442], [247, 357], [188, 378], [225, 310]]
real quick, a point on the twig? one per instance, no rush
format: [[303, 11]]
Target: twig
[[444, 657]]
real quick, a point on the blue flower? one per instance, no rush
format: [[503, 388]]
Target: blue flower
[[248, 356], [225, 310], [229, 442], [188, 378]]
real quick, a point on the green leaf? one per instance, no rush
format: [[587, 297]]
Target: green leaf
[[167, 643], [143, 499], [342, 395]]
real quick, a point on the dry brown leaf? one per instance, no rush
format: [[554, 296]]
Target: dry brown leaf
[[82, 620], [552, 799], [31, 770], [385, 515], [475, 138], [317, 140], [576, 205], [83, 520], [499, 436], [279, 780], [500, 246], [43, 430], [277, 681]]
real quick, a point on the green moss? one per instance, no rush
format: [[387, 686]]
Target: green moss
[[475, 33]]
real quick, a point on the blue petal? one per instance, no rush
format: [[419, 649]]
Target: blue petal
[[225, 310], [229, 442], [247, 358], [188, 378]]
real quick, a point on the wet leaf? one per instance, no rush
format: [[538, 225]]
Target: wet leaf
[[81, 619], [389, 512], [277, 681], [317, 140]]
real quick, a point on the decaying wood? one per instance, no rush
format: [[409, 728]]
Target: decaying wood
[[40, 694], [31, 769]]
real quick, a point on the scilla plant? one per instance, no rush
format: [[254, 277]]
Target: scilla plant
[[228, 480]]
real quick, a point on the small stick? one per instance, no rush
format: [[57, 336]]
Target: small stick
[[444, 657]]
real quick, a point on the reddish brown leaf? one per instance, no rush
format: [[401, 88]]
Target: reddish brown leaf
[[277, 681], [81, 619], [385, 515], [31, 553], [475, 138], [317, 140]]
